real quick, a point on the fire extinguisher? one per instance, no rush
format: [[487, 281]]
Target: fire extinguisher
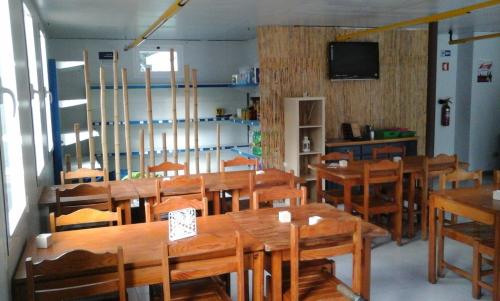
[[445, 111]]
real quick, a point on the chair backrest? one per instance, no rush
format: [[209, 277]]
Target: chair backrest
[[269, 178], [336, 156], [186, 186], [460, 175], [388, 151], [441, 164], [279, 193], [155, 211], [382, 172], [89, 196], [67, 276], [85, 216], [324, 231], [239, 161], [83, 173], [227, 249], [167, 166], [496, 176]]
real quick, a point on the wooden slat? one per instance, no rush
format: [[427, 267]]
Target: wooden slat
[[116, 126], [88, 96], [126, 117]]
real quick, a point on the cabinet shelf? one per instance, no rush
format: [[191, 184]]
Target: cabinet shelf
[[310, 127], [310, 153]]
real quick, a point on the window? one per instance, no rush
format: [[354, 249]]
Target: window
[[12, 159], [48, 113], [36, 108], [158, 61]]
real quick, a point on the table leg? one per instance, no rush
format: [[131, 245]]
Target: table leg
[[496, 260], [236, 200], [258, 276], [347, 196], [319, 187], [366, 266], [216, 200], [276, 261], [425, 206], [127, 211], [411, 206], [432, 242]]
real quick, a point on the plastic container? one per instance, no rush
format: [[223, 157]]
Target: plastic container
[[386, 134]]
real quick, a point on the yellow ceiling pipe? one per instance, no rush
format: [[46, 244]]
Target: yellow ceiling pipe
[[171, 11], [432, 18], [470, 39]]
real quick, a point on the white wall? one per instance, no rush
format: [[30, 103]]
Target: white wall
[[474, 131], [28, 225]]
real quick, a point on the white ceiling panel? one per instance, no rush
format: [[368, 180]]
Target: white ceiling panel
[[237, 19]]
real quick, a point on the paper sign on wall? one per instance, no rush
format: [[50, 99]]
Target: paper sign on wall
[[484, 72], [181, 223]]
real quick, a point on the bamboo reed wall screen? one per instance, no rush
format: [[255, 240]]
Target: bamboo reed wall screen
[[293, 61]]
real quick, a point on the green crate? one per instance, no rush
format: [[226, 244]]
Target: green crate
[[386, 134], [407, 134]]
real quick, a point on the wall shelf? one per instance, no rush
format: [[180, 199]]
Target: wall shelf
[[252, 123], [171, 151], [163, 86]]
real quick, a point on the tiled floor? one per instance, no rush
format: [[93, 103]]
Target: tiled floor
[[400, 273]]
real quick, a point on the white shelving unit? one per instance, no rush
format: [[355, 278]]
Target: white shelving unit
[[304, 116]]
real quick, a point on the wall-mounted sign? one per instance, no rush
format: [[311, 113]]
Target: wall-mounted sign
[[484, 73], [445, 52], [105, 55], [445, 66]]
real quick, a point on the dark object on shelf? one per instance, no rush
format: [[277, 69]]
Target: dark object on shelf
[[351, 131], [224, 116]]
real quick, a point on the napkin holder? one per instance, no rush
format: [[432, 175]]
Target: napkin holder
[[44, 240]]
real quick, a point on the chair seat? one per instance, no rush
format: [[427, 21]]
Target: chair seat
[[204, 289], [469, 232], [316, 286]]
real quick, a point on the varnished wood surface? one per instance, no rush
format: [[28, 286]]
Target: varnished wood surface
[[480, 198], [145, 188], [264, 225], [342, 142]]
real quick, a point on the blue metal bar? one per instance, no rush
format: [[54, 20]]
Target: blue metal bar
[[162, 86], [252, 123], [56, 123]]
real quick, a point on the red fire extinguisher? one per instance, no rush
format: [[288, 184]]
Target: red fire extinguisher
[[445, 111]]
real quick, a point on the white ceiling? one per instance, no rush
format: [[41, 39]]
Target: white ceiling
[[237, 19]]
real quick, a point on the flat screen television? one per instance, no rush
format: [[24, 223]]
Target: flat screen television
[[353, 60]]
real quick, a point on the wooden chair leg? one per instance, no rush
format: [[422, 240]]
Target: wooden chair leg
[[424, 219], [476, 272], [440, 243], [398, 216]]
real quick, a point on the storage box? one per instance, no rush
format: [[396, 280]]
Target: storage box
[[405, 134], [386, 134]]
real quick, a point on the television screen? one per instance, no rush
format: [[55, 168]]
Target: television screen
[[353, 60]]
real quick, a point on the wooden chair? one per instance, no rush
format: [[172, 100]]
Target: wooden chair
[[84, 173], [185, 186], [334, 196], [76, 274], [85, 217], [383, 173], [468, 233], [496, 176], [226, 256], [309, 242], [83, 196], [434, 167], [388, 152], [269, 178], [485, 245], [167, 166], [235, 162], [154, 212], [279, 193]]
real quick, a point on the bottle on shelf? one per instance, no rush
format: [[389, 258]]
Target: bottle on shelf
[[306, 145]]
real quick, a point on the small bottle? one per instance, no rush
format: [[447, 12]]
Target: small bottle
[[372, 133], [306, 145]]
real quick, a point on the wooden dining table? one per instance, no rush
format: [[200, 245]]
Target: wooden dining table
[[352, 175], [261, 232], [124, 191], [263, 225], [476, 204]]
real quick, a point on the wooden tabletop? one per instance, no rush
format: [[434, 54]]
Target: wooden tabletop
[[144, 188], [263, 224], [480, 198], [141, 243], [354, 170]]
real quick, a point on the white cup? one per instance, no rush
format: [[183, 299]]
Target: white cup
[[285, 216], [313, 220], [343, 163], [396, 159]]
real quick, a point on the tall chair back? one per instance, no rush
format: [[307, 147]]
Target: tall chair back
[[83, 196], [388, 152], [301, 234], [336, 156], [84, 173], [269, 178], [459, 176], [154, 212], [186, 186], [51, 279], [226, 251], [85, 216], [239, 161], [167, 166], [266, 195]]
